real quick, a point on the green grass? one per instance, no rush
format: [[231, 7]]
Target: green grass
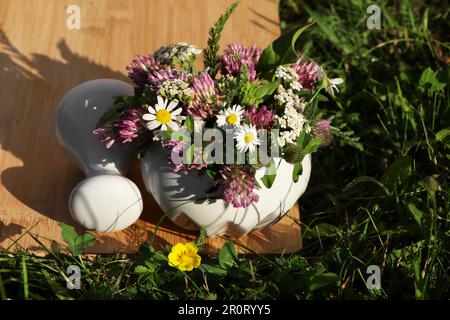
[[380, 200]]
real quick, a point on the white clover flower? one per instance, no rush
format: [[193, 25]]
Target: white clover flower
[[246, 138], [164, 115], [230, 117], [285, 73]]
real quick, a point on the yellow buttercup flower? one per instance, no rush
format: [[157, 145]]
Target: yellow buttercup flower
[[184, 256]]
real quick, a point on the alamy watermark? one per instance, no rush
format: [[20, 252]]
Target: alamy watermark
[[374, 279], [212, 146], [374, 20], [73, 281], [74, 19]]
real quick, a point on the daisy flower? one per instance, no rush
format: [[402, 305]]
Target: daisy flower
[[230, 117], [163, 115], [246, 138]]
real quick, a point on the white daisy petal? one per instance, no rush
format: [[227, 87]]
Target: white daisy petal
[[160, 102], [153, 125], [173, 125], [172, 105], [149, 117], [175, 112]]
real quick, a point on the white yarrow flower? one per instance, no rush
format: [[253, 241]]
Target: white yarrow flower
[[287, 98], [246, 138], [294, 123], [176, 89], [230, 117], [296, 86], [164, 115], [285, 73], [181, 51]]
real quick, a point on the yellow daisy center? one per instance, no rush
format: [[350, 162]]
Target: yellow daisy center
[[232, 118], [163, 116], [249, 137]]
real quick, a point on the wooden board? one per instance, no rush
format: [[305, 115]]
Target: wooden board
[[41, 59]]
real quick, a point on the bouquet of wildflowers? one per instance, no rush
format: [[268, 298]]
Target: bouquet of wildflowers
[[222, 120]]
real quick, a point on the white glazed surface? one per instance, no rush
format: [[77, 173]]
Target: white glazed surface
[[76, 117], [176, 194], [105, 203]]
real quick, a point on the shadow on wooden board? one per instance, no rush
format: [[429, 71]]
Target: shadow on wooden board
[[40, 62]]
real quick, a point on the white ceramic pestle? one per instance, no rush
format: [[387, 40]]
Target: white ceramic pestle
[[105, 201]]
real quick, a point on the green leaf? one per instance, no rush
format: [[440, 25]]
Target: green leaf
[[417, 214], [321, 280], [279, 52], [359, 180], [428, 77], [189, 124], [112, 113], [431, 80], [268, 88], [82, 242], [312, 146], [298, 168], [211, 296], [167, 134], [322, 230], [398, 172], [227, 255], [77, 243], [269, 178], [211, 173], [214, 270], [255, 93], [444, 137], [190, 154], [68, 233], [301, 146], [141, 269]]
